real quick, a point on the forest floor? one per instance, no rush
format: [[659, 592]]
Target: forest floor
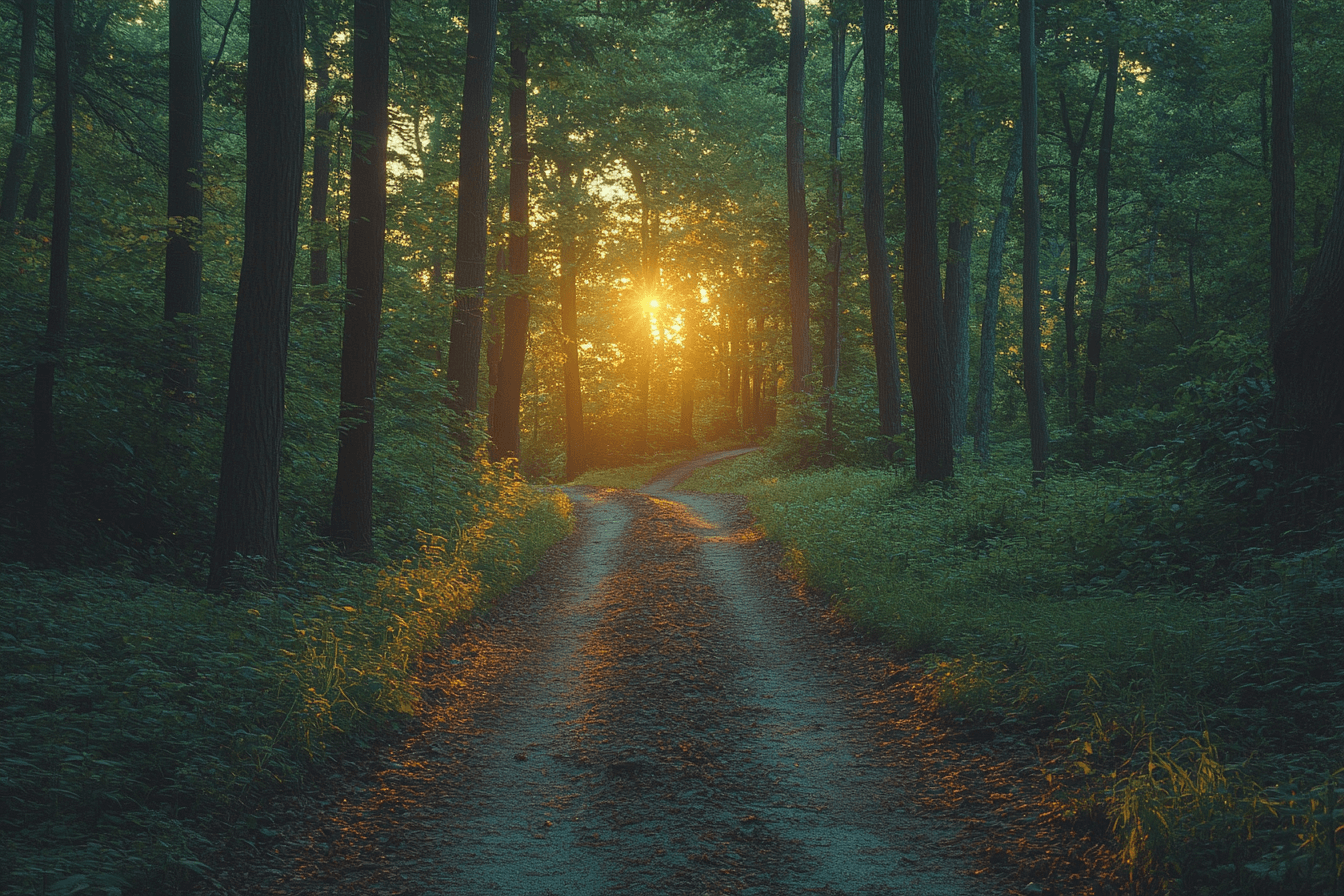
[[662, 708]]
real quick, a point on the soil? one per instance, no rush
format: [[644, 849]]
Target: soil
[[661, 708]]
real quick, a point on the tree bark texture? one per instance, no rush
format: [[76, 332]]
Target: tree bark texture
[[23, 114], [926, 340], [247, 520], [830, 345], [1032, 377], [1282, 179], [799, 306], [58, 288], [352, 500], [506, 436], [1096, 318], [989, 320], [318, 264], [1308, 363], [464, 349], [186, 155], [575, 442], [880, 308]]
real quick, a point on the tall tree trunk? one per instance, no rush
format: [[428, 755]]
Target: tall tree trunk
[[735, 355], [1076, 143], [1308, 365], [58, 289], [23, 114], [186, 159], [688, 377], [352, 501], [649, 275], [575, 443], [464, 349], [505, 435], [799, 308], [318, 271], [926, 340], [984, 396], [957, 314], [830, 346], [248, 519], [1282, 217], [750, 374], [880, 308], [1097, 316], [1031, 248]]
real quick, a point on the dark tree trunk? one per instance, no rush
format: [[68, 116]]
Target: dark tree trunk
[[58, 289], [575, 442], [506, 436], [352, 501], [1031, 248], [734, 365], [1282, 217], [248, 520], [32, 206], [957, 317], [926, 340], [318, 266], [1308, 363], [750, 373], [984, 396], [830, 345], [1076, 143], [186, 154], [464, 350], [798, 252], [1097, 315], [875, 223], [23, 115]]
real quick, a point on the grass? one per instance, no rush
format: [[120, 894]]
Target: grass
[[640, 474], [1198, 684], [141, 721]]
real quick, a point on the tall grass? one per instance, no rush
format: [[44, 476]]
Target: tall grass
[[1198, 684]]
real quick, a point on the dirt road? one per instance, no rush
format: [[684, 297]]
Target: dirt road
[[658, 710]]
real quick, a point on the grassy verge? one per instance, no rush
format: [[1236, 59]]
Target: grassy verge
[[640, 474], [139, 719], [1200, 688]]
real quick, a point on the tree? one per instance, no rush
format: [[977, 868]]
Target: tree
[[1097, 314], [931, 388], [352, 501], [504, 433], [186, 159], [830, 346], [575, 442], [1031, 247], [798, 230], [1075, 142], [58, 287], [464, 348], [23, 114], [247, 520], [875, 223], [1283, 188], [984, 396], [320, 31]]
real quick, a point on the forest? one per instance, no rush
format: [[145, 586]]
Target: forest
[[1035, 309]]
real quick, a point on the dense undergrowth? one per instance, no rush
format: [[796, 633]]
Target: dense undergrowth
[[1175, 618], [143, 720]]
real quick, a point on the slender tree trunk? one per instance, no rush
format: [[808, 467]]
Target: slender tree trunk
[[352, 501], [464, 350], [1076, 143], [1031, 248], [23, 114], [1282, 217], [750, 373], [830, 347], [957, 317], [1097, 316], [1308, 364], [984, 396], [734, 365], [926, 341], [58, 289], [649, 274], [688, 377], [248, 519], [186, 159], [875, 223], [505, 435], [575, 442], [318, 274], [799, 308]]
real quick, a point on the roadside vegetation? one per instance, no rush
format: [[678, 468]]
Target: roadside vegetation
[[1165, 609]]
